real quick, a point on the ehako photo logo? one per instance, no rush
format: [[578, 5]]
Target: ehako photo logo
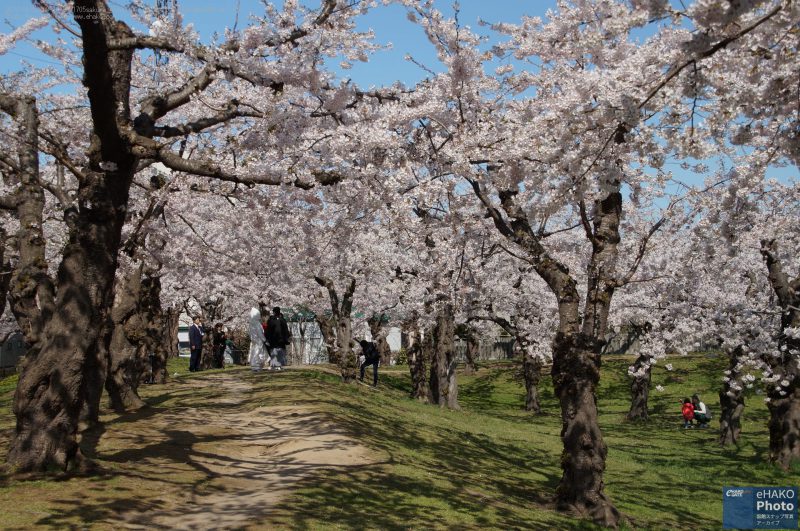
[[759, 507]]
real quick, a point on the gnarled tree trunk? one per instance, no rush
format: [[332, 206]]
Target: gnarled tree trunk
[[328, 331], [784, 394], [31, 292], [532, 371], [468, 335], [640, 387], [341, 315], [52, 385], [5, 270], [378, 331], [415, 353], [443, 384], [731, 402], [123, 369], [158, 338], [171, 325], [348, 363], [576, 373]]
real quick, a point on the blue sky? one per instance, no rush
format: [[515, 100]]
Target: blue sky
[[389, 23]]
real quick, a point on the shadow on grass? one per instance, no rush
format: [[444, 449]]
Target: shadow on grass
[[440, 475]]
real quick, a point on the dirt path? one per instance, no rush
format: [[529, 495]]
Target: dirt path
[[241, 461]]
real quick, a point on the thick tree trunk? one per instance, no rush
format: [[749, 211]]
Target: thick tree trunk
[[299, 353], [532, 371], [471, 353], [731, 402], [416, 362], [5, 270], [443, 383], [576, 372], [341, 315], [123, 369], [468, 335], [378, 331], [784, 427], [96, 374], [731, 409], [640, 387], [170, 332], [52, 386], [31, 291], [348, 363], [326, 328], [784, 404], [207, 356], [155, 339]]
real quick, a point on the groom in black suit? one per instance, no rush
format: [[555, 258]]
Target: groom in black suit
[[196, 334]]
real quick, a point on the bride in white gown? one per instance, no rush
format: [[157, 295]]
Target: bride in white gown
[[257, 349]]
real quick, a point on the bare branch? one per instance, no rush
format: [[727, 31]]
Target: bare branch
[[587, 227]]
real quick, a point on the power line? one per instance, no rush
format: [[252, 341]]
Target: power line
[[36, 58]]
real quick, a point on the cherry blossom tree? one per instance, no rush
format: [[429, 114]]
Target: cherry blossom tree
[[274, 63], [590, 143]]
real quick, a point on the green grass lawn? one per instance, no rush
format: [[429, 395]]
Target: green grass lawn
[[492, 465]]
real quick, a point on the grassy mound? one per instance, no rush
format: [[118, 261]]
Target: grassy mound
[[490, 465]]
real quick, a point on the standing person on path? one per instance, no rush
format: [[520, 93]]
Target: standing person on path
[[257, 341], [196, 334], [371, 357], [219, 346], [278, 336]]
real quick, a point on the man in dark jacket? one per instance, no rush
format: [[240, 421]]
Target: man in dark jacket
[[196, 334], [278, 335], [371, 357]]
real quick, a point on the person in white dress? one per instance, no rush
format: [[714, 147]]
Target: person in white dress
[[257, 347]]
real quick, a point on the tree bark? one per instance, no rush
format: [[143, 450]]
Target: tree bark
[[152, 342], [327, 329], [170, 332], [640, 387], [212, 309], [52, 386], [96, 372], [731, 402], [31, 291], [443, 384], [532, 371], [299, 354], [378, 331], [468, 335], [341, 315], [5, 270], [348, 363], [122, 381], [784, 400], [576, 372], [415, 354]]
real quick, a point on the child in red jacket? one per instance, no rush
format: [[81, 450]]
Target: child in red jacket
[[688, 413]]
